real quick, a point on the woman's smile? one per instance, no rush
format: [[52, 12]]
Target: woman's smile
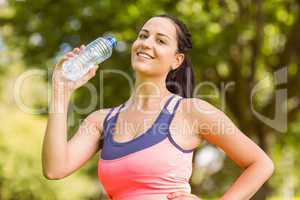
[[144, 56]]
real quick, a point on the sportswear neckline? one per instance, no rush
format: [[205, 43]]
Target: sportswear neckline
[[144, 133]]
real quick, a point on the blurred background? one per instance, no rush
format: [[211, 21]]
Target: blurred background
[[247, 63]]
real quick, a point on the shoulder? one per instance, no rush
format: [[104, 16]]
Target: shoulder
[[98, 117], [208, 118], [198, 107], [202, 114]]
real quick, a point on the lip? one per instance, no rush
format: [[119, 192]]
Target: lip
[[150, 57]]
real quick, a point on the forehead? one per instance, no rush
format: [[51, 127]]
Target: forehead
[[161, 25]]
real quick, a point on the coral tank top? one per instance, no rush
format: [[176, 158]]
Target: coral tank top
[[148, 167]]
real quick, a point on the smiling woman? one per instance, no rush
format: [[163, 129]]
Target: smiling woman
[[151, 160], [161, 47]]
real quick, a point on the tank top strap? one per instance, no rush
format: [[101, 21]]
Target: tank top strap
[[168, 103], [112, 113], [108, 115], [115, 111], [173, 105], [172, 109]]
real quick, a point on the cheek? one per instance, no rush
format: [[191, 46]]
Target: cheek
[[134, 46], [166, 57], [133, 49]]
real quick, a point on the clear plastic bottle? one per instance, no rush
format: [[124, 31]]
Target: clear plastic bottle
[[94, 53]]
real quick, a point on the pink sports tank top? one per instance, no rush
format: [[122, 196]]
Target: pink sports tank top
[[148, 167]]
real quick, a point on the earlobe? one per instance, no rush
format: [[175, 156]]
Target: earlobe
[[179, 60]]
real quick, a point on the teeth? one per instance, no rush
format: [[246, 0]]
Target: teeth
[[144, 55]]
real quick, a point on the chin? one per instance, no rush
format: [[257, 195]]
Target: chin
[[143, 67]]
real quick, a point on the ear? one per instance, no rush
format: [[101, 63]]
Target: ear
[[179, 57]]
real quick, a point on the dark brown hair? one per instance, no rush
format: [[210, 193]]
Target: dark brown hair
[[181, 80]]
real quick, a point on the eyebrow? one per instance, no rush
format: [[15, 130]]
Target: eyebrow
[[145, 30]]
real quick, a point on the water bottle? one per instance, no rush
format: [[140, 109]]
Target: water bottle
[[94, 53]]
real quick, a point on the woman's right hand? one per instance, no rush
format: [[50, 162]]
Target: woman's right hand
[[61, 84]]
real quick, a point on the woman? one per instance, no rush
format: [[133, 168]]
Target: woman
[[153, 161]]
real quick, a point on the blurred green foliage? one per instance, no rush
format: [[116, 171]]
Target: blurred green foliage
[[243, 42]]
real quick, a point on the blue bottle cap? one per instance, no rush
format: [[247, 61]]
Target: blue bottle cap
[[112, 41]]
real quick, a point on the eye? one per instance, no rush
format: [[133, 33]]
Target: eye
[[142, 36], [160, 41]]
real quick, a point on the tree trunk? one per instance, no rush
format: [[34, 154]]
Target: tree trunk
[[263, 192]]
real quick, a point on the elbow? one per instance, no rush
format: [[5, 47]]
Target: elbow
[[268, 166], [51, 172], [271, 167], [52, 175]]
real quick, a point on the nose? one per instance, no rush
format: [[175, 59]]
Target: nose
[[147, 43]]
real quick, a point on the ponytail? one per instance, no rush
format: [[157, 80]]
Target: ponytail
[[181, 81]]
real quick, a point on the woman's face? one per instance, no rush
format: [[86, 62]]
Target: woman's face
[[154, 51]]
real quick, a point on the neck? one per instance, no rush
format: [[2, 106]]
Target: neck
[[149, 92]]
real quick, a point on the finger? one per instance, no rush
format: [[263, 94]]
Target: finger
[[182, 195], [76, 50], [176, 194], [93, 72], [179, 198], [60, 63], [82, 47], [70, 55], [95, 67], [183, 198], [66, 58], [83, 80]]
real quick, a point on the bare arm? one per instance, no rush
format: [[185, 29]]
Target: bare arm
[[59, 156], [85, 143], [218, 129]]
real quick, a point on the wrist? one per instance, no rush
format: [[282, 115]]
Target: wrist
[[59, 102], [61, 87]]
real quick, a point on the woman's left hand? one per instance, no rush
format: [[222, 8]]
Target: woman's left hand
[[181, 195]]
